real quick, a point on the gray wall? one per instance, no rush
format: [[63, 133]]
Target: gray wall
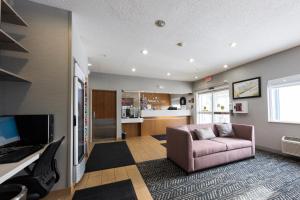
[[268, 135], [113, 82], [78, 50], [118, 83], [79, 54], [1, 96], [47, 66]]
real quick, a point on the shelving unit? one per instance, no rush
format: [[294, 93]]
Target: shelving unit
[[9, 43], [8, 76], [9, 15]]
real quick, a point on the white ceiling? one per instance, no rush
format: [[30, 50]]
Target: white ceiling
[[120, 29]]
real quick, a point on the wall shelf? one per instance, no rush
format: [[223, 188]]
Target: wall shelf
[[240, 107], [9, 15], [8, 76], [9, 43]]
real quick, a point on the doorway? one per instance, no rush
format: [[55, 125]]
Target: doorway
[[104, 114], [213, 107]]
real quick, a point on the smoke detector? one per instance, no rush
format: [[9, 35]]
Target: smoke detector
[[180, 44], [160, 23]]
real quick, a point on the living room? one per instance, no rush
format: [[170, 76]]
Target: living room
[[149, 99]]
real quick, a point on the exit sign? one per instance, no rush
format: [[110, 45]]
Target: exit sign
[[208, 78]]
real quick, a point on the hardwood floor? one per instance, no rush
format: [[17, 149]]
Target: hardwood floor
[[146, 148], [142, 149]]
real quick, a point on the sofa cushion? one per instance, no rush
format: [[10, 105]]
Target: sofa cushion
[[233, 143], [225, 130], [206, 147], [204, 133], [192, 127]]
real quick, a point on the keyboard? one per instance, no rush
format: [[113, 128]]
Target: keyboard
[[7, 150], [15, 154]]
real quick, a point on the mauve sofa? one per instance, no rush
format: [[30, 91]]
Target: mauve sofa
[[192, 154]]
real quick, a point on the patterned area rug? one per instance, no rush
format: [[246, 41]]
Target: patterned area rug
[[268, 176]]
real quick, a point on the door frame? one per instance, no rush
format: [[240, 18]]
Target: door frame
[[197, 93], [92, 114], [78, 165]]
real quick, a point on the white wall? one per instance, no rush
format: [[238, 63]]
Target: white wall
[[118, 83], [268, 135], [175, 99], [47, 66]]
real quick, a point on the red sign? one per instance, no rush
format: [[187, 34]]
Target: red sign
[[207, 79]]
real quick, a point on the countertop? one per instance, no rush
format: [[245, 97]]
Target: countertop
[[131, 120], [165, 113]]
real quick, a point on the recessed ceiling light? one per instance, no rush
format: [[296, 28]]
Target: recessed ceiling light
[[225, 66], [168, 74], [133, 69], [196, 77], [233, 44], [90, 64], [160, 87], [144, 51], [192, 60]]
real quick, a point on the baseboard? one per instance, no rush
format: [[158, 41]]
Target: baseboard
[[68, 190], [276, 152], [269, 150], [71, 189]]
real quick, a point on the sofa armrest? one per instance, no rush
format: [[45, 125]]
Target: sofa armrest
[[246, 132], [179, 148]]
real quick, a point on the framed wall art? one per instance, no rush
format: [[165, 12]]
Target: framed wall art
[[249, 88]]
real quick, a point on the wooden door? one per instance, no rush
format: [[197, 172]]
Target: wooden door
[[104, 104], [104, 114]]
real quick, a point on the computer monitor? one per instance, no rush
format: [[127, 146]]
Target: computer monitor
[[8, 131]]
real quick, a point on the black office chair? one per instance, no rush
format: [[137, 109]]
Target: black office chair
[[44, 174]]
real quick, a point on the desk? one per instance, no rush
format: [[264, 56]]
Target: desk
[[10, 169]]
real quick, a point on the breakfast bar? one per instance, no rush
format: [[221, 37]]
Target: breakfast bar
[[156, 121], [151, 113]]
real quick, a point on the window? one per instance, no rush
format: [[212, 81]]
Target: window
[[284, 99], [205, 108], [213, 107]]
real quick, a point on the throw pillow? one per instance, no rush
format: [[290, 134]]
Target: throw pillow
[[225, 130], [204, 133]]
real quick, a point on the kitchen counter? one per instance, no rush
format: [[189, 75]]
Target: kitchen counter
[[154, 122], [165, 113], [131, 120]]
